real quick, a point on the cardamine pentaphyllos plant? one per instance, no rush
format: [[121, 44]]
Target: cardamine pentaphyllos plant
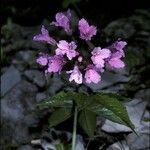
[[84, 69]]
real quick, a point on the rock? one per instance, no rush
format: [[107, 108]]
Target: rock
[[55, 84], [16, 116], [3, 70], [36, 77], [45, 144], [132, 142], [109, 79], [138, 142], [55, 137], [41, 96], [27, 55], [25, 147], [52, 146], [135, 110], [25, 58], [79, 143], [121, 145], [145, 123], [112, 127], [9, 79], [143, 94]]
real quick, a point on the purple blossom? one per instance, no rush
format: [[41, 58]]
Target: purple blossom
[[117, 53], [63, 20], [91, 75], [118, 46], [75, 75], [99, 55], [44, 37], [111, 55], [86, 31], [115, 60], [68, 49], [55, 64], [42, 59]]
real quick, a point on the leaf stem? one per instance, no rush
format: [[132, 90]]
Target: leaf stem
[[77, 9], [90, 44], [74, 129]]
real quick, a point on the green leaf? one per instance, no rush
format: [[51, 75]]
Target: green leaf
[[81, 100], [117, 96], [62, 146], [59, 115], [112, 109], [102, 111], [87, 121], [61, 99], [106, 113]]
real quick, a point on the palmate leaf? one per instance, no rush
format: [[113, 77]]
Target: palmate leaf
[[111, 108], [104, 112], [116, 96], [59, 115], [81, 100], [61, 99], [87, 121], [107, 105]]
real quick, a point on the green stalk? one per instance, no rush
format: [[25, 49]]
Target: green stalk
[[74, 129]]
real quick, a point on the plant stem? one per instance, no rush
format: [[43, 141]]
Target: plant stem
[[74, 129], [90, 44], [77, 9]]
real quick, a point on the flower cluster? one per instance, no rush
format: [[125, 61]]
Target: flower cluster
[[65, 52]]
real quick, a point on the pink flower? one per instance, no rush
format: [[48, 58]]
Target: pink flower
[[99, 55], [86, 31], [65, 48], [118, 46], [63, 20], [91, 75], [44, 37], [75, 75], [115, 60], [80, 59], [55, 63], [42, 59]]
